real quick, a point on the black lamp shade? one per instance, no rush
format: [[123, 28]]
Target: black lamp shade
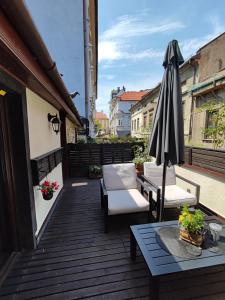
[[55, 122]]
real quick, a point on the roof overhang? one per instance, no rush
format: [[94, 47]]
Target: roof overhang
[[25, 57]]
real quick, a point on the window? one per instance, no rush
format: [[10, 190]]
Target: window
[[137, 123], [210, 119], [210, 125], [145, 121], [150, 118]]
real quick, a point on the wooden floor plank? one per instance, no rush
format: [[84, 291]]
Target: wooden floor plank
[[75, 259]]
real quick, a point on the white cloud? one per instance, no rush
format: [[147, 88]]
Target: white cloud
[[115, 42], [107, 76], [111, 51], [129, 26]]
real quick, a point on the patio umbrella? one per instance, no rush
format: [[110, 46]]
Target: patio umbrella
[[166, 142]]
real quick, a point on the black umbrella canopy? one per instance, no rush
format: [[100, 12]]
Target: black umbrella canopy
[[167, 138]]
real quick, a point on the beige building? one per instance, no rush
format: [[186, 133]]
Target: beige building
[[209, 87], [142, 113], [202, 80], [103, 121]]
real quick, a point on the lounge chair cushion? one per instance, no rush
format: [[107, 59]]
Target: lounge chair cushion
[[154, 173], [120, 176], [176, 197], [126, 201]]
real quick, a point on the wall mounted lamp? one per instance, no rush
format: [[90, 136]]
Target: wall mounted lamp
[[55, 122]]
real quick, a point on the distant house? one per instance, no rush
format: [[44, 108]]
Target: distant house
[[120, 122], [103, 120], [142, 113], [37, 120]]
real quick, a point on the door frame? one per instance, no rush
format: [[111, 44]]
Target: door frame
[[18, 175]]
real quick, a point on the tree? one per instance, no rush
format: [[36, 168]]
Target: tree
[[98, 125], [216, 129]]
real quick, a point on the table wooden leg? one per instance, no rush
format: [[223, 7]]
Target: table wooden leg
[[133, 246], [154, 288]]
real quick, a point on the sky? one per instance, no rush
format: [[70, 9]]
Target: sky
[[133, 36]]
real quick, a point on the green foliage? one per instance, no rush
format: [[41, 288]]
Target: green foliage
[[95, 169], [141, 154], [216, 132], [115, 140], [98, 125], [193, 222], [81, 141]]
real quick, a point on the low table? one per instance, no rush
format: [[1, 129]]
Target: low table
[[160, 262]]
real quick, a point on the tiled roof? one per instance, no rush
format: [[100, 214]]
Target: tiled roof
[[133, 96], [101, 116]]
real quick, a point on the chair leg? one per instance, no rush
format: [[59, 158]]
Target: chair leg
[[106, 222], [150, 206]]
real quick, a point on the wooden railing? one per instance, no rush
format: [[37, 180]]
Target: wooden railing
[[44, 164], [209, 159], [81, 156]]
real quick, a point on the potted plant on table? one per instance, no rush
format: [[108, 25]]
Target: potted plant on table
[[191, 225], [47, 189]]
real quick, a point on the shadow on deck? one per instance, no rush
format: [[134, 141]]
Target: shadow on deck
[[76, 260]]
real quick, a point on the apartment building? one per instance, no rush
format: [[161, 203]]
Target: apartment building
[[120, 117]]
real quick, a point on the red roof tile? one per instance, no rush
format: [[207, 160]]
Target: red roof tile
[[101, 116], [133, 96]]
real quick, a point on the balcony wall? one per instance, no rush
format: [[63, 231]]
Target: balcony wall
[[212, 188], [42, 140]]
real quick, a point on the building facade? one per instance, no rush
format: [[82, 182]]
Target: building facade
[[90, 20], [32, 95], [103, 121], [202, 81], [77, 40], [142, 114], [120, 115]]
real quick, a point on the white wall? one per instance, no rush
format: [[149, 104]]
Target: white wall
[[42, 140], [212, 190], [42, 137], [42, 207]]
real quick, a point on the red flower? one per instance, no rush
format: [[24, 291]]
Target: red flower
[[46, 183]]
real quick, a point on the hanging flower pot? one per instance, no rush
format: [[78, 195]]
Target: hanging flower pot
[[47, 196], [47, 189]]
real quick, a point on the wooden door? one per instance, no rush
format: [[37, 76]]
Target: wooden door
[[6, 238]]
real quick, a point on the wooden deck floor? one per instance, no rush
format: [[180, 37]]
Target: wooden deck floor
[[76, 260]]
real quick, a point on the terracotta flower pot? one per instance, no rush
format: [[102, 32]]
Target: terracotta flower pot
[[195, 239], [47, 196], [140, 169]]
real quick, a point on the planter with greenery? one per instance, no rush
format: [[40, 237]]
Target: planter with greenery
[[95, 171], [140, 156], [191, 225]]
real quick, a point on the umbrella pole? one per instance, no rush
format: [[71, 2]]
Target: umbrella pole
[[161, 213]]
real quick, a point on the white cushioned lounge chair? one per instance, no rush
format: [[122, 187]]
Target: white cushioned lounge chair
[[119, 191], [174, 195]]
